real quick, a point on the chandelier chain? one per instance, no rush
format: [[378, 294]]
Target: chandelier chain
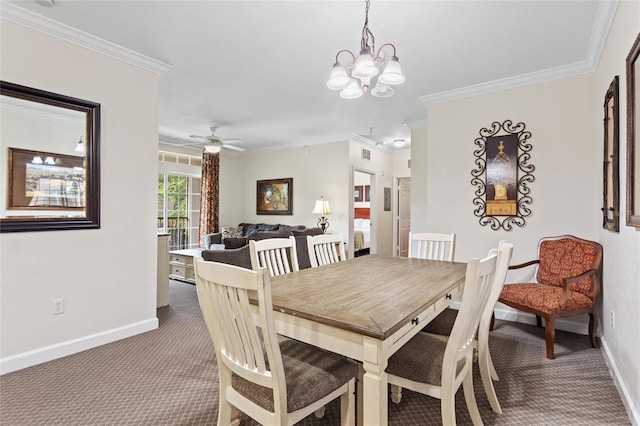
[[366, 33]]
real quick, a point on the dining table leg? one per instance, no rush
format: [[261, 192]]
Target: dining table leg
[[374, 383]]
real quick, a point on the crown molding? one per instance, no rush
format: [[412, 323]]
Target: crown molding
[[20, 16], [602, 24], [604, 19]]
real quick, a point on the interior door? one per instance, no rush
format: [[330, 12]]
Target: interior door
[[404, 215]]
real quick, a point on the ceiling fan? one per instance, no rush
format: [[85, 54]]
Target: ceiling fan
[[215, 143]]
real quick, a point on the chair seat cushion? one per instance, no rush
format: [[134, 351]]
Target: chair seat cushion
[[310, 374], [544, 298], [420, 360]]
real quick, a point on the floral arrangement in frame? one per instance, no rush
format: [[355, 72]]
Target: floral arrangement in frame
[[274, 197]]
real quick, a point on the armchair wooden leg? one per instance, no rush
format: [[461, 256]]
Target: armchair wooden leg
[[550, 336], [593, 326], [538, 321]]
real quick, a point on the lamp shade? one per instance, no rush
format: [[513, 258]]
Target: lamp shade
[[338, 79], [321, 207], [382, 90], [392, 73], [364, 66], [352, 91]]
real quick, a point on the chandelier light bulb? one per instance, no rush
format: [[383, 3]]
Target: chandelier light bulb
[[392, 73], [352, 91], [339, 79]]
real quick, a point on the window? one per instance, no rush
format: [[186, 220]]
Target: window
[[179, 209]]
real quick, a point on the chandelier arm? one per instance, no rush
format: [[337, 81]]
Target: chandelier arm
[[349, 52], [380, 49]]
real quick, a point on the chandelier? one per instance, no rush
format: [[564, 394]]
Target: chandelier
[[365, 68]]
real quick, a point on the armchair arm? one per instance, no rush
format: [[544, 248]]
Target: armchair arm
[[566, 282], [215, 238], [523, 265]]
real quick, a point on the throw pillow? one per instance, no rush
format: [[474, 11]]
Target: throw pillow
[[231, 232]]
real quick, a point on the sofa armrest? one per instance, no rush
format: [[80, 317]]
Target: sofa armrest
[[237, 257], [215, 238]]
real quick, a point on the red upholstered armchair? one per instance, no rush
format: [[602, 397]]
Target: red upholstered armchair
[[567, 282]]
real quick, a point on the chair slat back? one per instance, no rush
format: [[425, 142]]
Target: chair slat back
[[277, 255], [504, 253], [223, 297], [325, 249], [434, 246], [477, 286]]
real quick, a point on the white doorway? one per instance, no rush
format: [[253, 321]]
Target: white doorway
[[403, 221]]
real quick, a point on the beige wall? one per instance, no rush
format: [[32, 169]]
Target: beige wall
[[621, 270], [106, 276], [565, 119]]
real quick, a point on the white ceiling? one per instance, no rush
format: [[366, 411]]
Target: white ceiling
[[258, 69]]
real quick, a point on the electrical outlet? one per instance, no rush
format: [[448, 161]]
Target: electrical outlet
[[57, 306], [613, 320]]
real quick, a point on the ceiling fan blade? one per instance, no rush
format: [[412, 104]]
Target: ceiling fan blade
[[198, 136], [234, 148], [230, 141]]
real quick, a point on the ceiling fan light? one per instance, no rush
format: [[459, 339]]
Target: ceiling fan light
[[338, 79], [399, 143], [382, 90], [365, 68], [392, 73], [352, 91], [212, 149]]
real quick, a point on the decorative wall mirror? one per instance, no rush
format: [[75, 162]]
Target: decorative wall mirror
[[49, 149], [611, 180], [502, 175], [633, 135]]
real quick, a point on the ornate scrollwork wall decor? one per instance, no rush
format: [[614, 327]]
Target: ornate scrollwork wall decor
[[502, 175]]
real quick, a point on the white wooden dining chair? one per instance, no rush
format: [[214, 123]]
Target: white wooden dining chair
[[277, 255], [442, 325], [437, 368], [325, 249], [275, 383], [434, 246]]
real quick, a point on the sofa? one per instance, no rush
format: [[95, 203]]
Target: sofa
[[236, 242]]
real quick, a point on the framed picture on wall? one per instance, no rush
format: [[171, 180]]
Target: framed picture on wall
[[274, 196], [358, 193], [367, 193]]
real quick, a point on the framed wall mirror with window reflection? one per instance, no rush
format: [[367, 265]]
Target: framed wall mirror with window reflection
[[49, 149], [633, 135]]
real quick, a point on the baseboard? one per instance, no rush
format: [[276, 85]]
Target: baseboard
[[566, 324], [632, 410], [59, 350]]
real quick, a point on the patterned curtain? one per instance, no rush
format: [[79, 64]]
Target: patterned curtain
[[209, 193]]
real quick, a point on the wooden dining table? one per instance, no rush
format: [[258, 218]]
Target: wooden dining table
[[365, 309]]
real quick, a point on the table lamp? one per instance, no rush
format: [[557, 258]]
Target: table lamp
[[322, 208]]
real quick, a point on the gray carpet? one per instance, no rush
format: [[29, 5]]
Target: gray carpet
[[168, 377]]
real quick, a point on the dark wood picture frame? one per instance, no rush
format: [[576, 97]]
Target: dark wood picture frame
[[274, 197], [91, 111], [358, 193], [633, 135], [611, 159], [59, 185]]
